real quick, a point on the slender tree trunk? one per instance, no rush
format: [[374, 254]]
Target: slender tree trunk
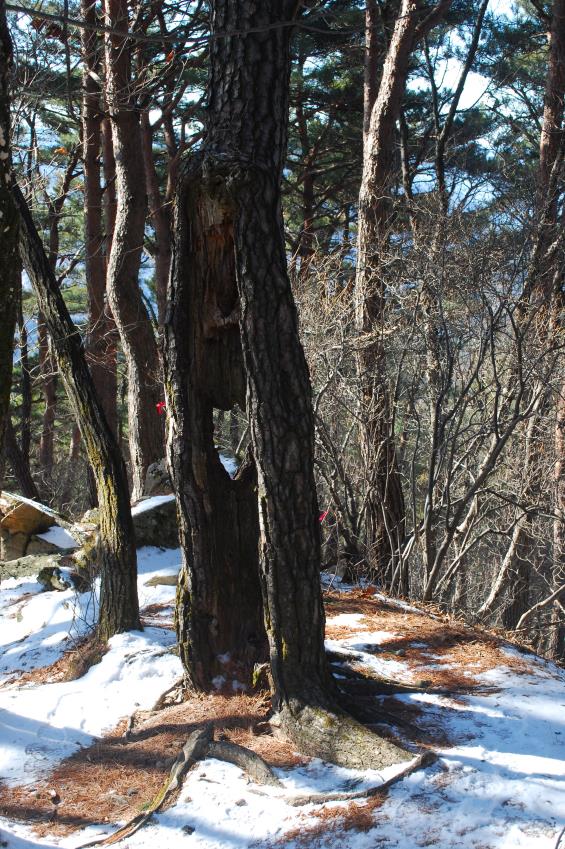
[[25, 386], [556, 643], [49, 389], [123, 286], [384, 501], [520, 556], [20, 468], [372, 66], [10, 269], [306, 236], [240, 174], [119, 609], [160, 217], [101, 342]]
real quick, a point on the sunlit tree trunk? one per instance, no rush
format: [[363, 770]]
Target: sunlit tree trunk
[[10, 273], [101, 342], [123, 284], [119, 609], [384, 500]]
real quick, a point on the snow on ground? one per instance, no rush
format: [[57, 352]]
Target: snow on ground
[[36, 627], [42, 723], [500, 785]]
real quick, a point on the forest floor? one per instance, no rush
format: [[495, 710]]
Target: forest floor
[[80, 756]]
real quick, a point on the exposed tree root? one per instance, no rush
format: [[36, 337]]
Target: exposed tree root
[[248, 761], [423, 760], [199, 745], [336, 737], [194, 750]]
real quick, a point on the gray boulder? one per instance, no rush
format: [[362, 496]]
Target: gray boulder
[[28, 567], [155, 521]]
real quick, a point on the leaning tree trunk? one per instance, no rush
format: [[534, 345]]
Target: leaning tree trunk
[[124, 294], [10, 273], [119, 609], [240, 174]]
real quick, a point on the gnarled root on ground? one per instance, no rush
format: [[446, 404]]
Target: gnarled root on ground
[[334, 736]]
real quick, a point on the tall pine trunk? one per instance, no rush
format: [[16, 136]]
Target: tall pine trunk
[[123, 285], [385, 519], [10, 268], [238, 181], [101, 342], [521, 559]]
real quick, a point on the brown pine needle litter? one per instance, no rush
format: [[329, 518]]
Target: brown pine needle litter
[[115, 777]]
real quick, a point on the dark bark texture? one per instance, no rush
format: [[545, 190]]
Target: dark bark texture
[[17, 461], [219, 612], [10, 275], [241, 171], [119, 609]]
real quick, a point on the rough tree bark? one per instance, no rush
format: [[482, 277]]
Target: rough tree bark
[[124, 293], [10, 273], [240, 173], [384, 502], [119, 609], [219, 615]]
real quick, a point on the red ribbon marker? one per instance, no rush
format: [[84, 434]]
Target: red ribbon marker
[[161, 407], [323, 516]]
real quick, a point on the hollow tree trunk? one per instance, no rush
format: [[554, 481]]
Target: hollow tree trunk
[[219, 612], [241, 167], [124, 293], [101, 341], [119, 609], [10, 274]]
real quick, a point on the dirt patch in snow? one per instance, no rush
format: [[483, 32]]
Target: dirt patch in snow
[[330, 825]]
